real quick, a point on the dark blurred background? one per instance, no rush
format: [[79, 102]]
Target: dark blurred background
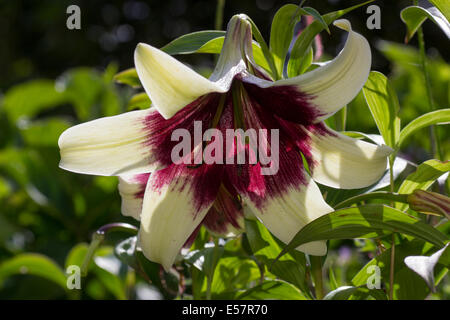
[[34, 40]]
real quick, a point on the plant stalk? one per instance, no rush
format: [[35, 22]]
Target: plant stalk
[[317, 275], [435, 144]]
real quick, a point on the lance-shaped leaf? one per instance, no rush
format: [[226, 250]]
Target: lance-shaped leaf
[[128, 77], [282, 32], [441, 116], [423, 178], [414, 16], [191, 42], [367, 221], [304, 41], [383, 104], [273, 289], [424, 266]]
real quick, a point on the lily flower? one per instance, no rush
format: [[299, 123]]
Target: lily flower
[[176, 198]]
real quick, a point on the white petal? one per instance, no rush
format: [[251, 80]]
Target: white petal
[[336, 83], [170, 84], [107, 146], [346, 163], [170, 214], [131, 189], [284, 216]]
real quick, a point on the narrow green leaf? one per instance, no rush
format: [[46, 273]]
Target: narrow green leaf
[[366, 221], [305, 39], [34, 264], [191, 42], [317, 16], [427, 173], [265, 49], [281, 34], [139, 101], [383, 104], [441, 116], [414, 16]]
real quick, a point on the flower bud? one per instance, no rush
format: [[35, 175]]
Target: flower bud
[[429, 202]]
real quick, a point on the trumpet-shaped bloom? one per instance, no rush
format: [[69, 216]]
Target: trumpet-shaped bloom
[[172, 200]]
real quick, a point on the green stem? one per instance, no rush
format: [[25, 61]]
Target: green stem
[[317, 275], [340, 119], [209, 277], [219, 14], [99, 236], [435, 144], [373, 195], [392, 268]]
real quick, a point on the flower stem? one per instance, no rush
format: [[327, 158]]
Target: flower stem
[[392, 268], [210, 276], [435, 144], [316, 272], [219, 14], [99, 236]]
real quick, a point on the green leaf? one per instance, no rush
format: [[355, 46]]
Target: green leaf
[[345, 292], [443, 6], [316, 15], [281, 34], [366, 221], [34, 264], [407, 284], [128, 77], [265, 248], [414, 16], [76, 255], [383, 104], [139, 101], [426, 173], [441, 116], [28, 99], [273, 289], [191, 42], [424, 266], [265, 49], [43, 132], [303, 42]]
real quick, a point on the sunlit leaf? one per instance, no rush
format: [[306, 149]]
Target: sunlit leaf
[[282, 32], [139, 101], [305, 39], [366, 221], [383, 104], [191, 42], [441, 116]]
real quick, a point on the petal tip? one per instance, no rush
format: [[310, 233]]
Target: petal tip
[[343, 24]]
